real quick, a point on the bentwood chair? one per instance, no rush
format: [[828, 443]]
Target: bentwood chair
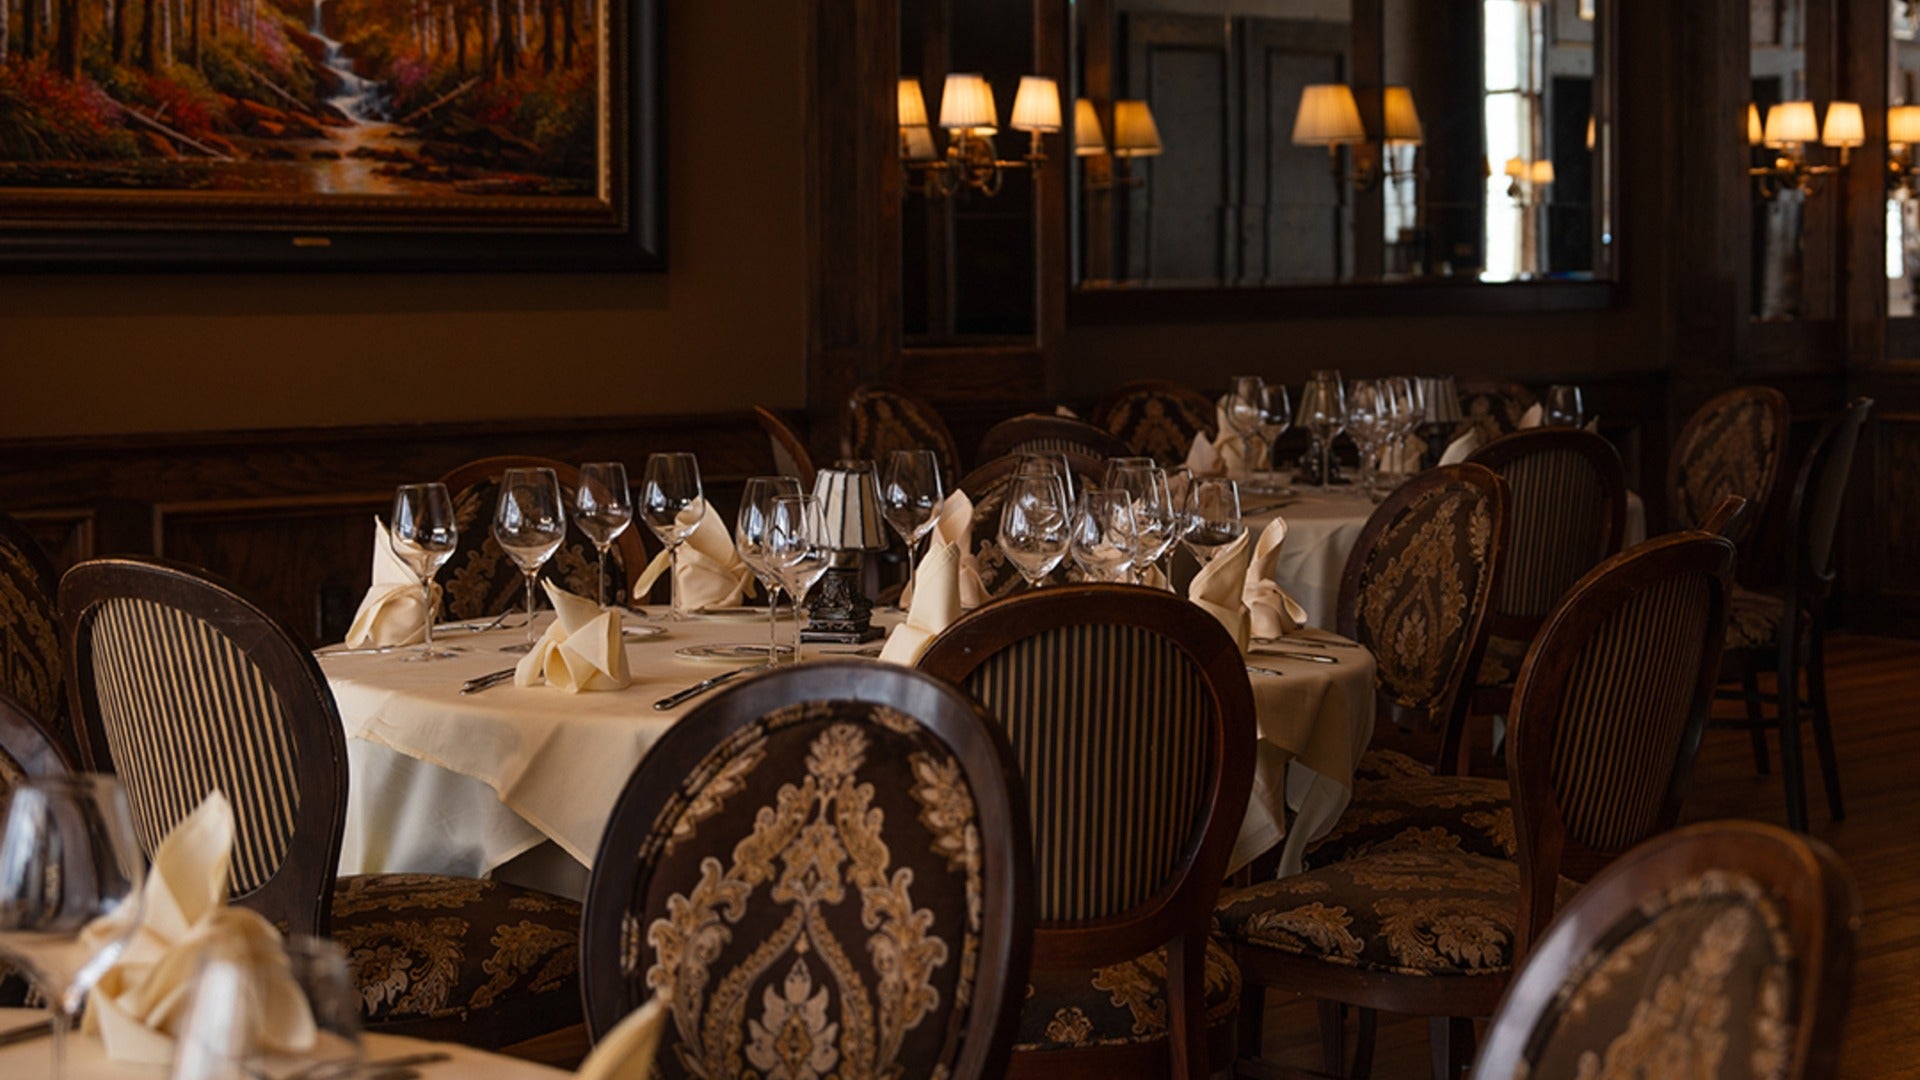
[[881, 419], [29, 750], [1493, 405], [1567, 497], [481, 580], [1732, 445], [1157, 418], [1751, 927], [986, 487], [182, 686], [1131, 718], [790, 457], [1606, 721], [824, 871], [1037, 433], [1785, 632], [30, 667]]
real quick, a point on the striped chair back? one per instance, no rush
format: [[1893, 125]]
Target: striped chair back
[[986, 486], [1732, 445], [481, 580], [1418, 585], [30, 630], [1130, 714], [1042, 434], [1567, 509], [1610, 705], [185, 687], [881, 419], [1157, 418]]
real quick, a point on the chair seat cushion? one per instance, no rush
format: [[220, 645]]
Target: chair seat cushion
[[1380, 764], [1117, 1005], [1467, 814], [498, 960], [1500, 664], [1405, 912], [1753, 619]]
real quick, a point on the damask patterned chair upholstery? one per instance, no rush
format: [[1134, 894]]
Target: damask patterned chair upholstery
[[1131, 717], [28, 751], [987, 487], [881, 419], [1157, 418], [1733, 445], [30, 668], [1042, 434], [1606, 720], [1495, 406], [825, 872], [185, 687], [1785, 631], [481, 580], [1718, 950]]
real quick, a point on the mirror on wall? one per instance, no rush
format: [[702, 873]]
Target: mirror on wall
[[1223, 143], [1903, 162]]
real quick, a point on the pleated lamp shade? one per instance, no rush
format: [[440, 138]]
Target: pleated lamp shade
[[1088, 139], [1134, 132], [849, 498], [966, 102], [1791, 122], [1844, 126], [1903, 124], [1328, 116], [1403, 120], [1036, 105], [913, 106]]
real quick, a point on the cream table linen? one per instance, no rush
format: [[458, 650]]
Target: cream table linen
[[87, 1059]]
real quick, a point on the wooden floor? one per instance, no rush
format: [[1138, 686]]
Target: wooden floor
[[1874, 684]]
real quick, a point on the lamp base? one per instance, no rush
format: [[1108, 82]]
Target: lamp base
[[840, 613]]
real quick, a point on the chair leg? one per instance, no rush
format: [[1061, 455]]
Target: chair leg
[[1822, 726], [1750, 689], [1333, 1038], [1787, 701], [1252, 1022], [1452, 1041], [1363, 1045], [1187, 1009]]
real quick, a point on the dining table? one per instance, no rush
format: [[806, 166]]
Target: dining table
[[87, 1058], [518, 781]]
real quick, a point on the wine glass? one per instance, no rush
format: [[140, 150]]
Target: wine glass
[[529, 522], [319, 968], [70, 888], [603, 508], [1103, 540], [1323, 412], [1213, 516], [423, 535], [1564, 407], [1050, 464], [1033, 525], [219, 1037], [672, 504], [797, 550], [1156, 516], [752, 532], [910, 500], [1245, 407], [1370, 423]]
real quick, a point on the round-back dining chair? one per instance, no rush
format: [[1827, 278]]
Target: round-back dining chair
[[1039, 433], [30, 666], [986, 486], [1157, 418], [880, 419], [1732, 445]]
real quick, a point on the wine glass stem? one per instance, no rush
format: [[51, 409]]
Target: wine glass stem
[[797, 597], [530, 575], [673, 582], [59, 1043], [601, 593], [773, 624], [1326, 462], [426, 604]]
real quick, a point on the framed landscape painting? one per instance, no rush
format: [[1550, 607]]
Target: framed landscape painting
[[330, 134]]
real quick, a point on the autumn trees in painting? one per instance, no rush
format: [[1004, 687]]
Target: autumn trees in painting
[[409, 97]]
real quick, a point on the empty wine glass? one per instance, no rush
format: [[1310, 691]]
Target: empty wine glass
[[1104, 542], [70, 888], [423, 534], [1323, 412], [1245, 407], [1213, 516], [672, 504], [603, 508], [1033, 525], [1156, 516], [1277, 420], [529, 522], [797, 549], [319, 968], [1564, 407], [910, 499], [222, 1033], [752, 534], [1051, 464], [1370, 423]]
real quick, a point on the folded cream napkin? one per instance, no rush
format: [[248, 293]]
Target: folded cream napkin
[[710, 574], [1271, 611], [1218, 585], [1403, 456], [627, 1052], [1225, 453], [581, 649], [137, 1007], [935, 605], [953, 524], [1531, 418], [394, 612], [1462, 448]]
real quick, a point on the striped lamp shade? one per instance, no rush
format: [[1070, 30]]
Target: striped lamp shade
[[849, 497]]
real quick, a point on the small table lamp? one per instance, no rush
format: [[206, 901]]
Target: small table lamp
[[849, 497]]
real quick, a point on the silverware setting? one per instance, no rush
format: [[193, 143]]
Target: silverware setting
[[1255, 669], [393, 1068], [704, 685], [490, 679], [864, 650], [1314, 658], [1310, 643], [26, 1034]]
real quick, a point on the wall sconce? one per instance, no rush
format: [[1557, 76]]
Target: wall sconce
[[1135, 135], [1528, 181], [968, 116], [1790, 126], [1329, 116], [1903, 143]]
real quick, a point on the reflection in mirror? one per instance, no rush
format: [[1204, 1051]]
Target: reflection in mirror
[[1317, 141], [1903, 170]]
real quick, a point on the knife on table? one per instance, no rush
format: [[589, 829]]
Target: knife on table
[[703, 686]]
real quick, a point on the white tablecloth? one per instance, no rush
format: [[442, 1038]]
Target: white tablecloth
[[87, 1058], [453, 784]]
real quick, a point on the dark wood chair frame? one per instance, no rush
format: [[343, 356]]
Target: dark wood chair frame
[[956, 720], [1007, 436], [1806, 586], [31, 743], [630, 543], [1815, 895], [946, 448], [1178, 916], [298, 897], [1447, 714], [1545, 850], [1729, 514], [46, 584], [786, 441], [1775, 403]]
